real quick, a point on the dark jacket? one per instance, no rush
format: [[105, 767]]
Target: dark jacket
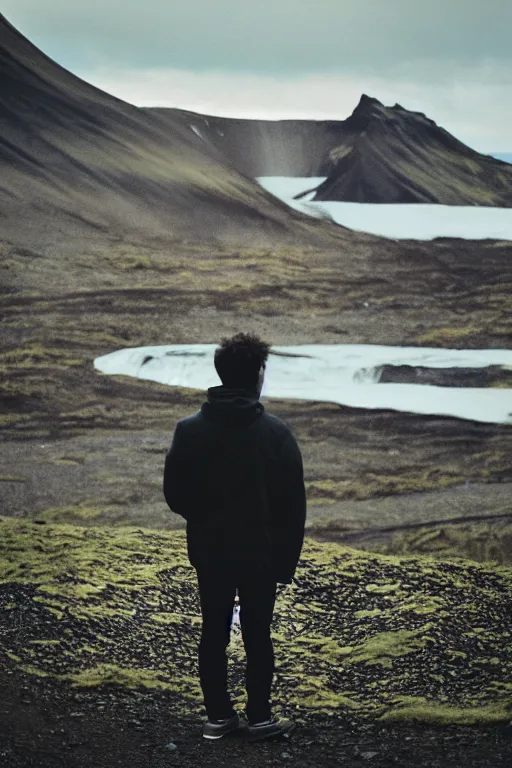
[[235, 473]]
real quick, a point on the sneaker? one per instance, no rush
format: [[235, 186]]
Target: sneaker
[[216, 729], [276, 726]]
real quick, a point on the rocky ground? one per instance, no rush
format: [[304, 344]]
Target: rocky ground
[[74, 438], [50, 725], [87, 449], [378, 659], [381, 660]]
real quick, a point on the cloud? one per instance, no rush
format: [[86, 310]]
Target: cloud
[[451, 59], [288, 37], [474, 110]]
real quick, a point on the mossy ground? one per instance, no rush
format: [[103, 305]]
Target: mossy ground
[[359, 633], [364, 290], [486, 542], [88, 609]]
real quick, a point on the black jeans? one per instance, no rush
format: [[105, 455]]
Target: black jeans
[[257, 592]]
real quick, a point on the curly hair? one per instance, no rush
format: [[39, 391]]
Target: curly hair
[[238, 360]]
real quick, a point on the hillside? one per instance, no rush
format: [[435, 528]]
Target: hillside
[[262, 147], [377, 155], [392, 155], [102, 617], [79, 165], [88, 267], [349, 617]]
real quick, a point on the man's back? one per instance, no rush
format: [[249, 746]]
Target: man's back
[[235, 473]]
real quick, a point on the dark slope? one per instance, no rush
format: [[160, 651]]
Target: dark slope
[[391, 155], [377, 155], [76, 162], [263, 147]]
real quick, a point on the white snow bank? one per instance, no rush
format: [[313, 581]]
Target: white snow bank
[[342, 373], [404, 221]]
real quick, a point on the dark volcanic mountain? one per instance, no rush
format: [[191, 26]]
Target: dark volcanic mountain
[[378, 155], [77, 163], [263, 147], [391, 155]]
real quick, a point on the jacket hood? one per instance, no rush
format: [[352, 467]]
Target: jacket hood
[[236, 407]]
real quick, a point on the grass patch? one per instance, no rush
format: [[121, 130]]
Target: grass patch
[[37, 356], [486, 541], [417, 708], [450, 335], [75, 513], [372, 484]]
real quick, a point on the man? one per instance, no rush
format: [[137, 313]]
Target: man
[[235, 473]]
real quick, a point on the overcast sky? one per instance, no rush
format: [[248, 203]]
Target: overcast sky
[[451, 59]]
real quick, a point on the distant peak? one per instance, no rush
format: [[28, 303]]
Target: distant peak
[[368, 107], [366, 112], [366, 100]]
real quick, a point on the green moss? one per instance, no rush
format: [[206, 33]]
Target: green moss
[[373, 484], [323, 700], [56, 612], [165, 618], [447, 334], [37, 356], [174, 618], [382, 589], [481, 541], [125, 604], [381, 648], [47, 601], [420, 605], [30, 670], [73, 513], [412, 708], [110, 673], [368, 614]]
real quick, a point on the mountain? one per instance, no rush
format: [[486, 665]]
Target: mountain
[[77, 164], [392, 155], [378, 155], [263, 147]]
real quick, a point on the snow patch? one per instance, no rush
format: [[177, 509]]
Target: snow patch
[[197, 132], [340, 373], [412, 221]]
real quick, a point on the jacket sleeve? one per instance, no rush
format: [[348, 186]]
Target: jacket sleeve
[[177, 474], [289, 510]]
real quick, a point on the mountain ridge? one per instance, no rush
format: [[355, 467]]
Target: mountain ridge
[[262, 147], [78, 163], [393, 155], [377, 155]]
